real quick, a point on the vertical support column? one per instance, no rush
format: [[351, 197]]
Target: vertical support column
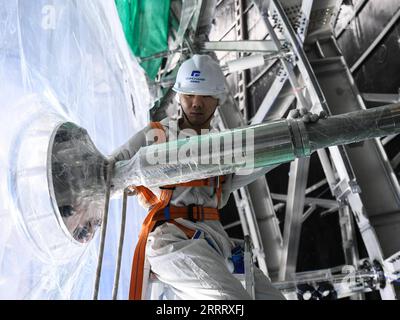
[[294, 213], [242, 76], [247, 214], [249, 224], [339, 156], [349, 242], [348, 236], [297, 181], [345, 219]]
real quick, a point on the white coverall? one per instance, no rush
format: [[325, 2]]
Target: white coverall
[[197, 268]]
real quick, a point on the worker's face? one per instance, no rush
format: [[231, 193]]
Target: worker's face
[[198, 108]]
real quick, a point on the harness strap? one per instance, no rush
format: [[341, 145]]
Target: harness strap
[[156, 213], [192, 212], [150, 197], [137, 274]]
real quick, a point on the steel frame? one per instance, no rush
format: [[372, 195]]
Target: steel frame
[[296, 82], [378, 39], [297, 186], [359, 6], [338, 155]]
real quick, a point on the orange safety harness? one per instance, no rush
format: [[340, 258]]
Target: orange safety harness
[[161, 210]]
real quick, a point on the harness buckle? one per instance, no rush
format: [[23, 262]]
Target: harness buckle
[[190, 212], [199, 212]]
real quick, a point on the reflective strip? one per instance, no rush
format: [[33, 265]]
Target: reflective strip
[[197, 234], [167, 213], [211, 244]]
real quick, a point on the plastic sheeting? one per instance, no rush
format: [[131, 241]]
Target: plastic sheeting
[[262, 145], [145, 24], [61, 61]]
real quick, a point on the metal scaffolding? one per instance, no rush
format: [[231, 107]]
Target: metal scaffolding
[[305, 69]]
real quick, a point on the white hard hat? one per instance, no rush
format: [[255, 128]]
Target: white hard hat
[[200, 75]]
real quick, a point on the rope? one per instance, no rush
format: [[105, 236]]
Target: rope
[[110, 168]]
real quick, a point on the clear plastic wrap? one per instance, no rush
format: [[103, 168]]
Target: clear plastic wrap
[[203, 156], [61, 62], [355, 126], [262, 145]]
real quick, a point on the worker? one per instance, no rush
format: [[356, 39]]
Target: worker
[[182, 239]]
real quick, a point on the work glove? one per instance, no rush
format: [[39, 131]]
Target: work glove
[[129, 148], [306, 116]]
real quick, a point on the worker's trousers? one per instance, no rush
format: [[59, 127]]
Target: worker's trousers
[[200, 268]]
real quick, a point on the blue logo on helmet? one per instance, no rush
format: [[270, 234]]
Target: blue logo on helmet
[[195, 73], [195, 77]]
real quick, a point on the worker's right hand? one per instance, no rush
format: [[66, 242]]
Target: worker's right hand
[[306, 116]]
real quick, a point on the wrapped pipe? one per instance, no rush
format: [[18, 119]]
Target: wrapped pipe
[[252, 61], [248, 62], [256, 146], [77, 170]]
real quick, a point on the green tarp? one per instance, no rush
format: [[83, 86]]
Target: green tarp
[[145, 23]]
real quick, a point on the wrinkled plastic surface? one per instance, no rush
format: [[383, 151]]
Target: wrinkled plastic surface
[[355, 126], [61, 61], [209, 155], [249, 147], [145, 24], [77, 181]]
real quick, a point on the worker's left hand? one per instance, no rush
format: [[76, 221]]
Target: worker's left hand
[[306, 116]]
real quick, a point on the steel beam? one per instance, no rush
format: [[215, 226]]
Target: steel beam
[[242, 75], [248, 215], [395, 161], [308, 213], [359, 6], [382, 98], [234, 23], [374, 44], [289, 68], [316, 186], [293, 216], [340, 157], [324, 203], [264, 46], [293, 38], [387, 139], [349, 240], [232, 225], [270, 64], [269, 101], [280, 82]]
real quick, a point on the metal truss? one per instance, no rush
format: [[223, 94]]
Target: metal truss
[[295, 83], [371, 48], [340, 176]]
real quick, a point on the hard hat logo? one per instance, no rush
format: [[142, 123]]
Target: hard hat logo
[[195, 77], [200, 75], [195, 73]]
